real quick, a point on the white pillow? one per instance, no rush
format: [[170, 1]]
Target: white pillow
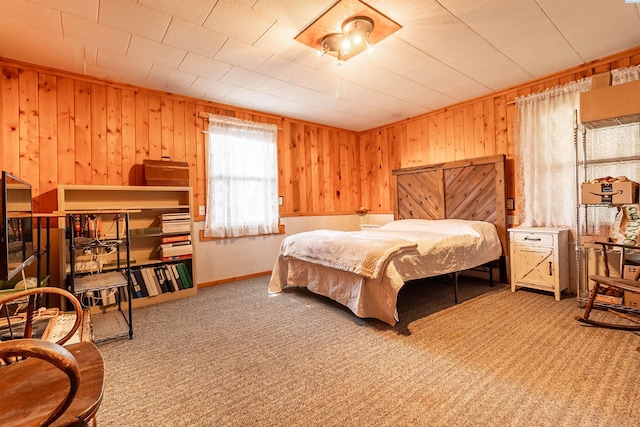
[[440, 226]]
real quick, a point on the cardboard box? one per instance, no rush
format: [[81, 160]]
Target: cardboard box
[[610, 193], [166, 172], [589, 240], [629, 272], [610, 105], [631, 300], [609, 299], [598, 81]]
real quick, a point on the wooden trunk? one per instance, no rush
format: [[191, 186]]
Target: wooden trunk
[[166, 172]]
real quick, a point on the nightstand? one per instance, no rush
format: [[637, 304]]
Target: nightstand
[[539, 259]]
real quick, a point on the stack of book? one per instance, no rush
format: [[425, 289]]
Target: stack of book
[[179, 222], [175, 247], [155, 280], [178, 245]]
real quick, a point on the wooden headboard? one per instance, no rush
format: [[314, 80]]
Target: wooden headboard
[[463, 189]]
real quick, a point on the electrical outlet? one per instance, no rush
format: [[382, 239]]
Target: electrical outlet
[[201, 210], [510, 204]]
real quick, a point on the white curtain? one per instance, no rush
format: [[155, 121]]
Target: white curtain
[[545, 155], [242, 178]]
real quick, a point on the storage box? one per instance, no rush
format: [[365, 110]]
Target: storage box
[[610, 105], [589, 240], [610, 193], [629, 272], [609, 299], [166, 172], [631, 300]]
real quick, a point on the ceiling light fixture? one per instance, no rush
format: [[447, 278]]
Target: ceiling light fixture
[[347, 28]]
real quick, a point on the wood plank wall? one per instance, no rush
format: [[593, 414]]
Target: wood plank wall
[[62, 128], [475, 128]]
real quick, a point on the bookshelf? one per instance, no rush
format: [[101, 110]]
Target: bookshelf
[[146, 206]]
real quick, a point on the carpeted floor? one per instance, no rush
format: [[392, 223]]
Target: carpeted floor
[[233, 356]]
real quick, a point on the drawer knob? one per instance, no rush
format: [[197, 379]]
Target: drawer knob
[[550, 269], [533, 239]]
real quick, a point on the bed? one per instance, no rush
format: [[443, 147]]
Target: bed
[[449, 217]]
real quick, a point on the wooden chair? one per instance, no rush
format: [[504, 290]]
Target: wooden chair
[[616, 283], [49, 384]]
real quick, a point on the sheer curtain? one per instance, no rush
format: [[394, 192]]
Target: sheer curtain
[[242, 178], [545, 155]]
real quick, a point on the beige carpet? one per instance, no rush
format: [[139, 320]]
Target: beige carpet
[[233, 356]]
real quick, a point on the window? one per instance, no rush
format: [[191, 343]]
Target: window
[[242, 183]]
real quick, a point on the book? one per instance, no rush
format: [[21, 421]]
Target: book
[[160, 278], [137, 292], [176, 257], [174, 244], [176, 239], [169, 273], [176, 250], [174, 270], [152, 286], [184, 275], [168, 216], [143, 287], [176, 227]]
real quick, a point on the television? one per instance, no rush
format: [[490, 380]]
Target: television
[[16, 223]]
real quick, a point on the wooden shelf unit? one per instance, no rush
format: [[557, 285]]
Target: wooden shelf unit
[[144, 204]]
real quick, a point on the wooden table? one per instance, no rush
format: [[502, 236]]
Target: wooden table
[[32, 388]]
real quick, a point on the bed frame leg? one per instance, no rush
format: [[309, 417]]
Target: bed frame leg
[[455, 286], [490, 274]]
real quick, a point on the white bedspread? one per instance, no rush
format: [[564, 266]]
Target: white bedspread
[[442, 246], [359, 253]]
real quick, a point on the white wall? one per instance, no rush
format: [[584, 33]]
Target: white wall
[[231, 258]]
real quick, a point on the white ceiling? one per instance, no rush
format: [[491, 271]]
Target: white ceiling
[[243, 53]]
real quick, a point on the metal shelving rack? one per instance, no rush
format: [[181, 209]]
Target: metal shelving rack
[[109, 324], [583, 165]]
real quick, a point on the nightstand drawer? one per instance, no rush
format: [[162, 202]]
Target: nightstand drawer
[[532, 239]]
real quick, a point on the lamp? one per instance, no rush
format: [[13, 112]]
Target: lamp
[[346, 29]]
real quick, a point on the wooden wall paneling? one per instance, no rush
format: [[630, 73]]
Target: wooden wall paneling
[[142, 133], [48, 135], [459, 144], [10, 151], [440, 148], [364, 143], [336, 175], [297, 164], [115, 155], [488, 110], [283, 136], [306, 185], [128, 137], [82, 132], [166, 127], [468, 130], [155, 127], [449, 135], [501, 124], [29, 164], [198, 158], [433, 141], [179, 147], [65, 91], [194, 126], [327, 191], [313, 168], [345, 174], [98, 134], [478, 130]]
